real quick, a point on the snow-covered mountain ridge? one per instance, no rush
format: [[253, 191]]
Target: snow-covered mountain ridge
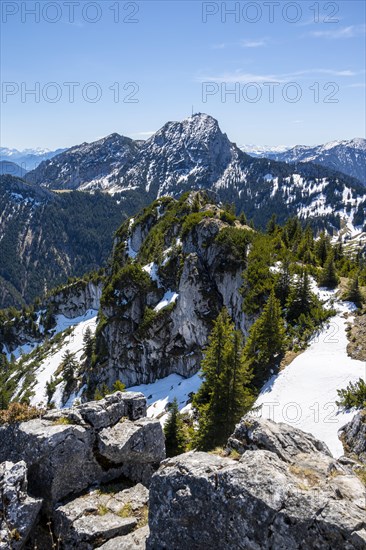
[[196, 154], [27, 159], [347, 156]]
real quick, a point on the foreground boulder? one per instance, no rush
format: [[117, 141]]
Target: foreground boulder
[[61, 449], [285, 492], [140, 442], [18, 511], [98, 517], [286, 441]]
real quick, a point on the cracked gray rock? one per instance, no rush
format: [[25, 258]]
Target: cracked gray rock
[[140, 442], [133, 541], [62, 456], [82, 521], [353, 437], [292, 497], [18, 511], [286, 441]]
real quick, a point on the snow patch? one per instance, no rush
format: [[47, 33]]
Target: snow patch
[[162, 392], [169, 297]]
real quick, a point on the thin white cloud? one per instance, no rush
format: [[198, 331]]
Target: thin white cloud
[[245, 43], [357, 85], [244, 78], [328, 72], [241, 77], [144, 134], [343, 32], [253, 43]]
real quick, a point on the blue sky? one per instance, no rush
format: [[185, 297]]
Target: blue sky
[[170, 56]]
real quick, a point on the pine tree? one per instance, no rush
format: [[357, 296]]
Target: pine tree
[[353, 293], [305, 251], [175, 442], [300, 299], [283, 283], [266, 342], [329, 277], [322, 248], [272, 225], [88, 346], [69, 367], [243, 219], [224, 395]]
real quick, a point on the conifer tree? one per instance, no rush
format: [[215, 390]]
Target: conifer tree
[[353, 293], [305, 251], [266, 341], [88, 346], [283, 283], [300, 299], [322, 248], [175, 442], [329, 277], [224, 395], [69, 367], [272, 225]]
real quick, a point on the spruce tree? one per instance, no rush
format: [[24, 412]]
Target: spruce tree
[[88, 346], [300, 299], [329, 277], [224, 395], [353, 293], [69, 367], [266, 341], [283, 283], [322, 248], [272, 225], [175, 442], [305, 251]]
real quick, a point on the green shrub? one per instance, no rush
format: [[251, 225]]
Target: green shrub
[[354, 395], [235, 242], [227, 217], [194, 219]]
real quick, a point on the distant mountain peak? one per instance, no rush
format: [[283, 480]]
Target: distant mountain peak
[[347, 156]]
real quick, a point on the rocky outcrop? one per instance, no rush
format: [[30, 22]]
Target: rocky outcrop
[[62, 451], [18, 510], [286, 441], [76, 299], [293, 496], [155, 320], [353, 437], [100, 516], [140, 441], [134, 541]]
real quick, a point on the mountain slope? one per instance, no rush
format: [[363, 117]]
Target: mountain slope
[[86, 166], [46, 237], [195, 154], [348, 156], [11, 168]]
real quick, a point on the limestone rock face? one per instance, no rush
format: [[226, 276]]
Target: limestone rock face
[[282, 439], [100, 516], [291, 497], [141, 441], [18, 510], [133, 541], [353, 437], [78, 300], [61, 449], [201, 273]]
